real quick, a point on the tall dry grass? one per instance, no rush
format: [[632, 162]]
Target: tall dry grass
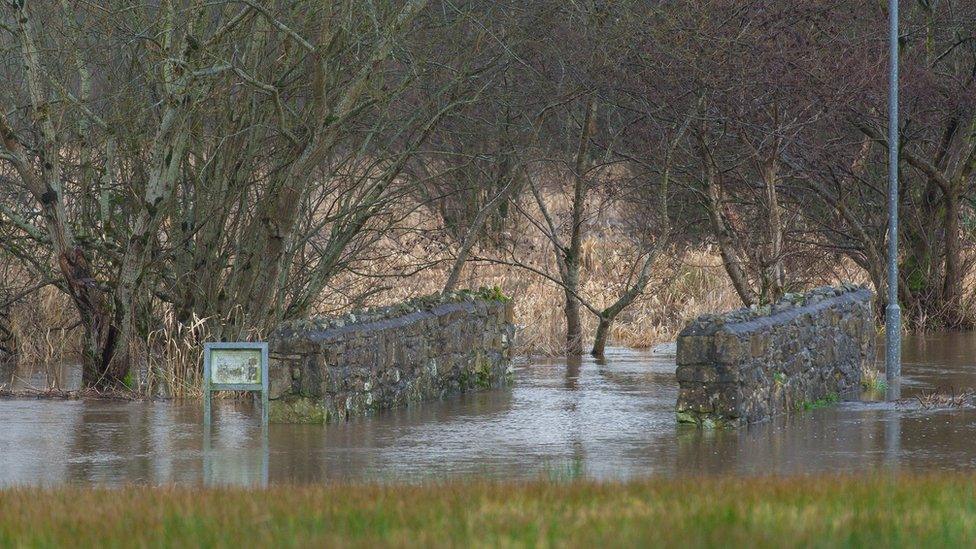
[[683, 286], [401, 265], [46, 336], [173, 352], [173, 355]]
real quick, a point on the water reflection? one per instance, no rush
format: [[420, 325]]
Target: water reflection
[[893, 390], [607, 420], [235, 461], [65, 377]]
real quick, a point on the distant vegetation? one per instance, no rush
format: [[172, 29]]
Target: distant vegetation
[[179, 170], [880, 511]]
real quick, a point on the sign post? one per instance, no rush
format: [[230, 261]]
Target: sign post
[[237, 366]]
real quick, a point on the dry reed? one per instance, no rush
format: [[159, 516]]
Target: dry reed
[[46, 335], [402, 265]]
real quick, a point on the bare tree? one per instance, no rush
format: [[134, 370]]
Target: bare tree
[[225, 158]]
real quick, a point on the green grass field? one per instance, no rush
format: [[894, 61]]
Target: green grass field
[[774, 512]]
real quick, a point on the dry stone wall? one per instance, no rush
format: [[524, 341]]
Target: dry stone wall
[[330, 369], [752, 364]]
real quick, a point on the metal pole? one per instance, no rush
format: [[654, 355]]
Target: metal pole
[[893, 311], [207, 390]]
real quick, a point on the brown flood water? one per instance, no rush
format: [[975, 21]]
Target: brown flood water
[[610, 420]]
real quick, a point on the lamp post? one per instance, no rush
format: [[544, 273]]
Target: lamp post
[[893, 311]]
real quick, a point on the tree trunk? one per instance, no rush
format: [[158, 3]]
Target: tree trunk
[[8, 344], [602, 335], [472, 234], [101, 333], [101, 340], [777, 273], [608, 315], [726, 242], [952, 281], [574, 326], [44, 183]]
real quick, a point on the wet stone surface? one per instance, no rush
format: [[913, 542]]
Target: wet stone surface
[[753, 364], [332, 369]]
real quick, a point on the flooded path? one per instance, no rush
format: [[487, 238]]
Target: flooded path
[[609, 420]]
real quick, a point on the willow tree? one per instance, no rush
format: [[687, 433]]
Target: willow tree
[[225, 158]]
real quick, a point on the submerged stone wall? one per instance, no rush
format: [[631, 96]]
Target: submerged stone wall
[[752, 364], [329, 369]]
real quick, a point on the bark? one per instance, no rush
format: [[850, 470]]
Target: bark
[[602, 335], [930, 285], [101, 333], [89, 300], [262, 262], [45, 187], [952, 293], [472, 234], [571, 276], [726, 240], [609, 315], [167, 155], [776, 274], [952, 283], [574, 326]]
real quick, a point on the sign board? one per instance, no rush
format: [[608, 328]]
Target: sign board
[[236, 366]]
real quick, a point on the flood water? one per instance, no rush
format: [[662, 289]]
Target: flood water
[[609, 420]]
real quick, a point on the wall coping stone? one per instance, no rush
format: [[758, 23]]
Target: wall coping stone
[[332, 368], [753, 363], [789, 307], [362, 317]]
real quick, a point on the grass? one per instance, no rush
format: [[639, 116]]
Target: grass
[[895, 511], [45, 332], [873, 381], [824, 402]]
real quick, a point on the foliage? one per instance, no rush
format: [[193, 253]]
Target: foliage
[[873, 381], [493, 293], [779, 378], [824, 402]]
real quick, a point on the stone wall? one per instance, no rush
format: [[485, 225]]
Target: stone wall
[[329, 369], [752, 364]]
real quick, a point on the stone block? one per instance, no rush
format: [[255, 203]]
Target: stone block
[[396, 356], [729, 348], [695, 349], [749, 365], [280, 377]]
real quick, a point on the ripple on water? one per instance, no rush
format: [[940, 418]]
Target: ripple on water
[[607, 419]]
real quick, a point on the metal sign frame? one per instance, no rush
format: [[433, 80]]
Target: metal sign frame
[[209, 387]]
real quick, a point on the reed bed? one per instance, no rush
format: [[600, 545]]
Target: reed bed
[[406, 263], [46, 335], [875, 511], [684, 285]]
